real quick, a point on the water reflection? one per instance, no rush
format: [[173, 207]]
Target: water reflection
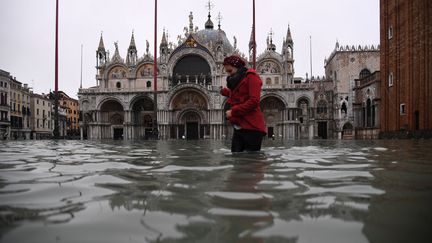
[[181, 191]]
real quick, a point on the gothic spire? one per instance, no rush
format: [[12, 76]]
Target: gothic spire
[[116, 57], [288, 38], [101, 44], [164, 39], [132, 42]]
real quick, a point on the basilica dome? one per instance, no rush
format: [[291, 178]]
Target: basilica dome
[[211, 38]]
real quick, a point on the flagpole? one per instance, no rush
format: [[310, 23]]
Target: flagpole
[[81, 66], [56, 115], [310, 46], [253, 34], [155, 73]]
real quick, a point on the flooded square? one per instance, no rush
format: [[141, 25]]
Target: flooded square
[[198, 191]]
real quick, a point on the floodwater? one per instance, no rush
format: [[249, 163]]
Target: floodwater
[[197, 191]]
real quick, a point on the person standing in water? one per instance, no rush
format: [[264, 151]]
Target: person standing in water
[[243, 91]]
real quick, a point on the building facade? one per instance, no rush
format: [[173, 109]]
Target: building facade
[[406, 68], [190, 73], [41, 119], [366, 107], [20, 110], [344, 66], [4, 105], [71, 107]]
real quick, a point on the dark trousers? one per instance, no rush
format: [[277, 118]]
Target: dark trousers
[[246, 140]]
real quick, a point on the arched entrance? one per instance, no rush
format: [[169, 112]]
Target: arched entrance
[[304, 115], [347, 131], [190, 106], [87, 120], [112, 118], [273, 108], [142, 117], [191, 128]]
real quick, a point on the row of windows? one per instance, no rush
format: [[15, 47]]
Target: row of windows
[[148, 84], [43, 113], [70, 103], [43, 102], [269, 81], [3, 84], [42, 124]]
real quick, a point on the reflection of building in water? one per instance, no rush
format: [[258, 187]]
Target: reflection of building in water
[[190, 73]]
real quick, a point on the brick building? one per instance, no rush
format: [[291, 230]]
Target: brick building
[[406, 68]]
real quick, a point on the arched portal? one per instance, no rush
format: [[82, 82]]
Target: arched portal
[[112, 116], [272, 108], [347, 131], [142, 117], [190, 107]]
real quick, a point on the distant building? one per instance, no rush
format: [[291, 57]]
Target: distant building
[[366, 106], [4, 105], [344, 66], [41, 119], [71, 107], [20, 109], [406, 68]]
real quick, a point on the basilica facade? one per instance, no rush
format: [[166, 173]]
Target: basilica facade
[[189, 76]]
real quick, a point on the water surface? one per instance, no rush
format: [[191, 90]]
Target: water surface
[[197, 191]]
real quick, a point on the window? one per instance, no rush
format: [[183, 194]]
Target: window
[[37, 101], [148, 84], [364, 73], [402, 109], [118, 85], [43, 102], [37, 111], [390, 79], [268, 81], [390, 32], [322, 107]]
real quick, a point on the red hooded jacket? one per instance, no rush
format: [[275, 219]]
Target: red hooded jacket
[[245, 103]]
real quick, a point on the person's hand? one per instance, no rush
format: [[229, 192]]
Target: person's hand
[[228, 114]]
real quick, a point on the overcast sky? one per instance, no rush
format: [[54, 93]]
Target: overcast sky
[[27, 31]]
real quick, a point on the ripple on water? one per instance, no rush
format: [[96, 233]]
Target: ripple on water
[[239, 195], [334, 174], [315, 230]]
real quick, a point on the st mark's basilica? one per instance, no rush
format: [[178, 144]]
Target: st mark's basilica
[[189, 105]]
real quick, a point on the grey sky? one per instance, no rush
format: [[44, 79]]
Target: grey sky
[[27, 31]]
